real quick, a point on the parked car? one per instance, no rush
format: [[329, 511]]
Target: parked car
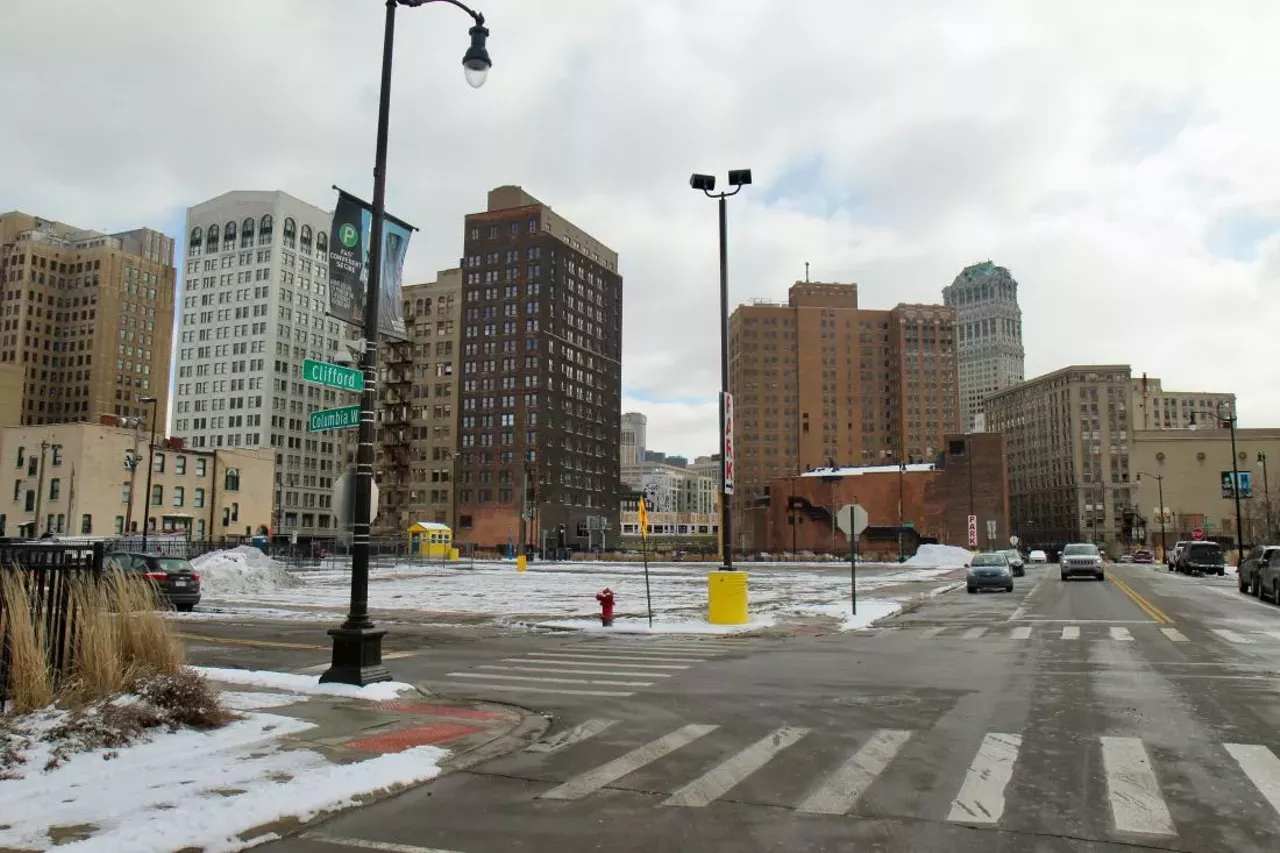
[[1203, 557], [1126, 558], [1142, 556], [1260, 572], [1037, 557], [990, 569], [1015, 562], [1172, 556], [1081, 558], [176, 582]]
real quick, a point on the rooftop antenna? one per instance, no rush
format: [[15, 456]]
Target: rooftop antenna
[[806, 272]]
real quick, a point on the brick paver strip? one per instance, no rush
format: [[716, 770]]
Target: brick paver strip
[[439, 710], [416, 736]]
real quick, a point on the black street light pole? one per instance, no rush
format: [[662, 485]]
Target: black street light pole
[[1230, 422], [357, 646], [902, 555], [738, 178], [1266, 492], [151, 464], [1164, 542]]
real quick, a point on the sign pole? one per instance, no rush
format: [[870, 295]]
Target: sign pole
[[853, 573], [644, 552]]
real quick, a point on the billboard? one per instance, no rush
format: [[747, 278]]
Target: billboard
[[349, 248], [1245, 480]]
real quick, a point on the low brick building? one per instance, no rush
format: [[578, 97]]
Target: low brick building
[[935, 496]]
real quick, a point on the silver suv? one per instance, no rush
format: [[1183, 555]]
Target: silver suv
[[1081, 558]]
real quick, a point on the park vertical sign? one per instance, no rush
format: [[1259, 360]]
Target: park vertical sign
[[727, 401], [350, 242]]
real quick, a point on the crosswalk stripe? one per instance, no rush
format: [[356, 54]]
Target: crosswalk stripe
[[1262, 767], [576, 734], [1121, 633], [593, 780], [974, 633], [1174, 634], [1070, 632], [625, 654], [930, 633], [1023, 633], [981, 797], [610, 656], [365, 844], [552, 669], [537, 678], [1132, 787], [531, 688], [532, 658], [846, 785], [1232, 636], [718, 781]]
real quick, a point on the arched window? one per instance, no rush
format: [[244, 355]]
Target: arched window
[[290, 231], [426, 309], [229, 236], [322, 242], [406, 307], [246, 233], [305, 239], [232, 480], [418, 306], [211, 238], [264, 231], [196, 242]]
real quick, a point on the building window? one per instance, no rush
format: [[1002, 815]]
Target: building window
[[179, 496], [86, 523], [290, 232], [126, 492], [57, 454], [232, 480], [119, 524], [22, 452], [305, 240], [198, 499], [180, 465], [55, 488], [200, 466], [157, 464], [157, 495], [30, 503], [199, 528]]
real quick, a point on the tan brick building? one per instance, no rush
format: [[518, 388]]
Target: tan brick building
[[88, 317], [417, 408], [75, 478], [1155, 408], [820, 381]]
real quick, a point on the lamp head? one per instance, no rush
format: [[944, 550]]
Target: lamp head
[[706, 183], [739, 177], [476, 62]]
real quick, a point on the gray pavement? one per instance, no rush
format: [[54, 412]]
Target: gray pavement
[[1136, 714]]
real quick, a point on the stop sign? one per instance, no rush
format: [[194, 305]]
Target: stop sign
[[1198, 534]]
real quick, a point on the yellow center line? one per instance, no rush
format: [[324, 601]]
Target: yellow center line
[[1153, 612], [266, 644]]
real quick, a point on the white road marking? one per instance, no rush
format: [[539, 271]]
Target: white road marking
[[565, 662], [568, 737], [537, 678], [1070, 632], [981, 797], [1174, 634], [597, 656], [644, 654], [928, 633], [1122, 634], [846, 785], [1262, 767], [593, 780], [363, 844], [1232, 636], [973, 633], [1020, 634], [1132, 788], [719, 780], [520, 688], [554, 670]]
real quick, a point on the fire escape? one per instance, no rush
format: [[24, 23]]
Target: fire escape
[[395, 439]]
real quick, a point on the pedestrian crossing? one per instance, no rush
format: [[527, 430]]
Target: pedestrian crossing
[[595, 667], [838, 773], [1077, 633]]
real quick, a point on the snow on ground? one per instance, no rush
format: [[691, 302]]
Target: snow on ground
[[945, 556], [240, 570], [869, 611], [382, 691], [641, 626]]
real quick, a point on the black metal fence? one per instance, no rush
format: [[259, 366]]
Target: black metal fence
[[49, 570]]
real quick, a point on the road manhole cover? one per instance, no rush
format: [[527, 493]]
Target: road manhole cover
[[878, 700]]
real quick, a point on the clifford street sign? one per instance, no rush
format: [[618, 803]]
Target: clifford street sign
[[347, 416], [333, 375]]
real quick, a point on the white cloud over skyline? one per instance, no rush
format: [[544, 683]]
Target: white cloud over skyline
[[1116, 157]]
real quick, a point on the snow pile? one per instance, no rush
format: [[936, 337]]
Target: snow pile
[[941, 557], [240, 570], [382, 691], [869, 612]]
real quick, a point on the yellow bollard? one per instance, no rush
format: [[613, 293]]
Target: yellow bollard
[[727, 598], [520, 563]]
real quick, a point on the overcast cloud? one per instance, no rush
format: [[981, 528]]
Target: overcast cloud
[[1119, 158]]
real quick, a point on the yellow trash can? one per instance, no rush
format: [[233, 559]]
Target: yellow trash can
[[520, 563], [727, 598]]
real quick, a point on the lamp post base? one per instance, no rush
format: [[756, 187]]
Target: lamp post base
[[357, 657]]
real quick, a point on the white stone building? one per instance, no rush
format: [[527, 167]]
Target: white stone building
[[989, 352]]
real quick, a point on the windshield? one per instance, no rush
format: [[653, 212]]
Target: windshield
[[1080, 550], [990, 560]]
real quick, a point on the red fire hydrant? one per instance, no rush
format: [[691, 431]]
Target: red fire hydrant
[[605, 597]]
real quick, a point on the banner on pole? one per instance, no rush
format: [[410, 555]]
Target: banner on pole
[[973, 531], [350, 242], [727, 402], [642, 515]]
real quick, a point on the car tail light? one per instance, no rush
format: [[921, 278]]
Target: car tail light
[[157, 576], [195, 576]]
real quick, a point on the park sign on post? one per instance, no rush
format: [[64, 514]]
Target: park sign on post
[[333, 375], [346, 416]]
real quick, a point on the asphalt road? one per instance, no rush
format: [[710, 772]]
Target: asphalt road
[[1136, 714]]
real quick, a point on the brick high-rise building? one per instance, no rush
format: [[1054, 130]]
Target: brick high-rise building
[[88, 317], [541, 378], [988, 335], [821, 381]]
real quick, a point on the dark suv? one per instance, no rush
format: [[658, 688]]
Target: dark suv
[[1260, 572], [1204, 557], [175, 580]]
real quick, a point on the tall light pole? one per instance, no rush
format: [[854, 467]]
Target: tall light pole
[[1230, 422], [1164, 542], [357, 646], [738, 178], [1266, 492], [151, 464], [902, 555]]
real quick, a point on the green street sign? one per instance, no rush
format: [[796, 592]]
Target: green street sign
[[333, 375], [347, 416]]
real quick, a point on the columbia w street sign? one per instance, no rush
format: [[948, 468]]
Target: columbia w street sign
[[333, 375], [347, 416]]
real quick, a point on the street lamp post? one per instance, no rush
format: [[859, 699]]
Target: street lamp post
[[357, 646], [1230, 422], [1266, 492], [151, 464], [1164, 543], [902, 555], [738, 178]]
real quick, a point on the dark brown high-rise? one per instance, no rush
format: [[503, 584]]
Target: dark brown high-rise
[[541, 386]]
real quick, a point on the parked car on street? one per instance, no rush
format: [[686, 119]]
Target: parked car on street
[[1172, 557], [1037, 557], [990, 570], [1202, 557], [1143, 556], [1126, 558], [1260, 572], [1015, 562], [1081, 558], [175, 581]]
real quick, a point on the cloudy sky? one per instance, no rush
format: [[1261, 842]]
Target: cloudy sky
[[1119, 158]]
